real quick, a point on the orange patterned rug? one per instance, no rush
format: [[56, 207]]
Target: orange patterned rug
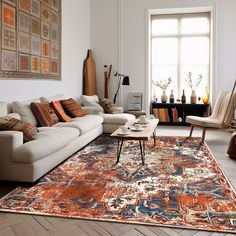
[[180, 185]]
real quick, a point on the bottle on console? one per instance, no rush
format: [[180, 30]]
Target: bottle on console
[[172, 97], [183, 98]]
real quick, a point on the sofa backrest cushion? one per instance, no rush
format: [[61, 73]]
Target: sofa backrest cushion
[[91, 101], [10, 123], [3, 109], [73, 108], [44, 113], [57, 107], [108, 106], [52, 98], [25, 112]]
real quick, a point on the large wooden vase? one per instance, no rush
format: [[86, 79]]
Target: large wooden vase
[[90, 84]]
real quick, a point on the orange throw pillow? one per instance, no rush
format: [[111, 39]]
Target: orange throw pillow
[[73, 108], [57, 107]]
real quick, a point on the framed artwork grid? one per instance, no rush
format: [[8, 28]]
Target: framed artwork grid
[[30, 40]]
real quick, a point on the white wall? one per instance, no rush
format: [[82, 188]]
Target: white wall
[[132, 26], [105, 40], [75, 42]]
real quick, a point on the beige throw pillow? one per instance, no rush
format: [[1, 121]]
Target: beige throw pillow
[[25, 112], [91, 101]]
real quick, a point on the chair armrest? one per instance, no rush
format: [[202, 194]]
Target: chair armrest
[[92, 110]]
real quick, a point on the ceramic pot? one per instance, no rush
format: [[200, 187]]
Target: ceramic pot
[[193, 97], [164, 97]]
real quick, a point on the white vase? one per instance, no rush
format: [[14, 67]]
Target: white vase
[[164, 97], [193, 97]]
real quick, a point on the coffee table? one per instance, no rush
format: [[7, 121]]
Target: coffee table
[[144, 134]]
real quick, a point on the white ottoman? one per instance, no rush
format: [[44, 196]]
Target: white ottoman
[[113, 121]]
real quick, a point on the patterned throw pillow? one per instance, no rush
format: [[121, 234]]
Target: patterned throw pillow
[[44, 114], [10, 123], [72, 107], [108, 106], [57, 107]]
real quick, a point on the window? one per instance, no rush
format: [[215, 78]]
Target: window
[[180, 44]]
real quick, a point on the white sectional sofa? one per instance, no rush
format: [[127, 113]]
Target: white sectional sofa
[[27, 162]]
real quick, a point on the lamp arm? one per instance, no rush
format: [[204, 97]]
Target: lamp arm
[[117, 91]]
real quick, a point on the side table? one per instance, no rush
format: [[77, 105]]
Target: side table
[[136, 113]]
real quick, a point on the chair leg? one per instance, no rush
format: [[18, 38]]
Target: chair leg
[[191, 131], [203, 134]]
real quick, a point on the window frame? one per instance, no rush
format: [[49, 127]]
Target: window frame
[[179, 36]]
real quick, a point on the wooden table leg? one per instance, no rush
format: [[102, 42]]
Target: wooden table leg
[[142, 148], [119, 148]]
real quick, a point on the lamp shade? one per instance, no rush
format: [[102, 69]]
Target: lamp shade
[[126, 80]]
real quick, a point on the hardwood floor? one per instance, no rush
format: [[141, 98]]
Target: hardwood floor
[[30, 225]]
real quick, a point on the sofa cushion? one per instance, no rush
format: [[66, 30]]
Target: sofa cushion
[[52, 98], [44, 114], [10, 123], [84, 124], [73, 108], [91, 101], [3, 109], [108, 106], [47, 141], [25, 112], [120, 118], [57, 107]]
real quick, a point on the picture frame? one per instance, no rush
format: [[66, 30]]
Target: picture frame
[[30, 41], [135, 101]]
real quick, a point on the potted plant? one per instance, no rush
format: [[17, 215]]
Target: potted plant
[[193, 84], [163, 84]]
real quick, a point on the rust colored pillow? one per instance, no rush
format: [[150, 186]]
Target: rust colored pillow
[[10, 123], [72, 107], [108, 106], [57, 107], [44, 114]]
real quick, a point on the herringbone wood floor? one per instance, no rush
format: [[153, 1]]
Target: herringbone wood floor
[[30, 225]]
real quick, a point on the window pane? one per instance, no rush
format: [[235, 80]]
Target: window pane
[[194, 50], [164, 27], [164, 51], [195, 25]]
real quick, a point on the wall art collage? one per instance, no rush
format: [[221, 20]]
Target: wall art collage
[[30, 42]]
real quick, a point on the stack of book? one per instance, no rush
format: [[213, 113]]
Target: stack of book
[[174, 115], [161, 114]]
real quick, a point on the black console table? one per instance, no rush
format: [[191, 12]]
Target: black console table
[[175, 113]]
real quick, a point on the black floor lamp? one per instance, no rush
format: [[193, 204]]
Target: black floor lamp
[[125, 81]]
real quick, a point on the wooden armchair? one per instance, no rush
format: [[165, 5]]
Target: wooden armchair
[[221, 117]]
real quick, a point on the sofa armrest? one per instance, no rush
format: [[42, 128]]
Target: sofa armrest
[[92, 110], [9, 140]]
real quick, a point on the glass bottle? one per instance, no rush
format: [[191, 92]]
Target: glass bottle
[[183, 98], [172, 97]]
